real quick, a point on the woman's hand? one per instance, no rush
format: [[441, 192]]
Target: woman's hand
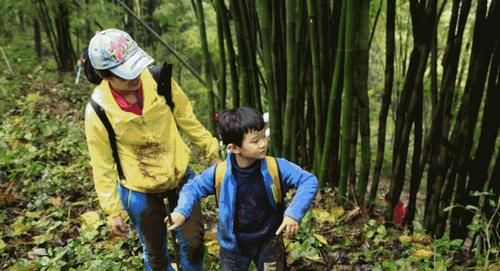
[[119, 227], [177, 220], [290, 227]]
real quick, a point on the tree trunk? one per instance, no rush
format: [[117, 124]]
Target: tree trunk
[[222, 14], [353, 146], [243, 63], [463, 136], [150, 8], [279, 66], [58, 33], [478, 170], [423, 18], [291, 78], [317, 92], [37, 37], [386, 97], [64, 45], [265, 19], [333, 97], [347, 100], [443, 109], [361, 91], [491, 210], [198, 7]]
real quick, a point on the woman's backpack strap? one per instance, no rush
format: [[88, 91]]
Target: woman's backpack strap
[[111, 135]]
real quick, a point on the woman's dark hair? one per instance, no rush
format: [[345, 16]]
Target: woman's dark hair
[[235, 123], [93, 75]]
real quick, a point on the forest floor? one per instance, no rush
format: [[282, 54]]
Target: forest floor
[[50, 218]]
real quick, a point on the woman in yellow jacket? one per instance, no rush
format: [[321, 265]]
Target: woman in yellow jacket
[[153, 157]]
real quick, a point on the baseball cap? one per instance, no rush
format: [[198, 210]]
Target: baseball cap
[[116, 51]]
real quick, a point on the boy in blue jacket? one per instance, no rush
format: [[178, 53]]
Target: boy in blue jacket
[[251, 219]]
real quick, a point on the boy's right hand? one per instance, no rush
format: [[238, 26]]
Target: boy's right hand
[[177, 220]]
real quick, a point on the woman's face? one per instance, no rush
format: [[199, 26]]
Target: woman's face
[[121, 84]]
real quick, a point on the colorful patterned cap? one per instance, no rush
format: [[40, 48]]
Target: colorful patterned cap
[[116, 51]]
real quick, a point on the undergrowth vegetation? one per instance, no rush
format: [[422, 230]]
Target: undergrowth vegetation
[[50, 218]]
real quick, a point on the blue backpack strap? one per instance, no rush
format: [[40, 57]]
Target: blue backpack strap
[[111, 135]]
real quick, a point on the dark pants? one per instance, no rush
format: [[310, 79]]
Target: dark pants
[[267, 256], [147, 211]]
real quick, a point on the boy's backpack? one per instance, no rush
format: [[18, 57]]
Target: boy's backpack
[[162, 75], [272, 168]]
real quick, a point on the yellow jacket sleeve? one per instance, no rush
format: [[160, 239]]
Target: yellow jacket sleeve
[[187, 121], [103, 165]]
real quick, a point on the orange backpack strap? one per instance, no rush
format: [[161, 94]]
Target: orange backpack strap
[[220, 171], [274, 171]]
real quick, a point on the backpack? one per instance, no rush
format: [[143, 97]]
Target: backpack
[[272, 168], [162, 75]]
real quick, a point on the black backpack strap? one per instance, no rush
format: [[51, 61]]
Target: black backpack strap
[[111, 135], [163, 78]]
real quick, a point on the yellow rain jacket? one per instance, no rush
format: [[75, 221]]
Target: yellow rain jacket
[[152, 153]]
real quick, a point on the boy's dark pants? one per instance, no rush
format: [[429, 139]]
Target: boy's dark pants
[[267, 256], [147, 211]]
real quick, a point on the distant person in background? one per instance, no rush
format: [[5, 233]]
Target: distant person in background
[[398, 212], [152, 155]]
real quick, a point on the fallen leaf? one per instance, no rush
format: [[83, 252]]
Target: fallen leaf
[[40, 239], [337, 212], [320, 214], [213, 248], [421, 238], [211, 234], [114, 238], [321, 239], [405, 239], [323, 215], [20, 226], [352, 214], [55, 201], [91, 220], [35, 214], [422, 253], [37, 252], [32, 97]]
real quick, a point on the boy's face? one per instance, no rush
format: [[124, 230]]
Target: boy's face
[[253, 146]]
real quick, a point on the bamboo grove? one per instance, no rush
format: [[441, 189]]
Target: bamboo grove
[[307, 64], [431, 122]]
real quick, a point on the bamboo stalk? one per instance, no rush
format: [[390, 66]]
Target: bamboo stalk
[[347, 100], [7, 61], [334, 93], [291, 77]]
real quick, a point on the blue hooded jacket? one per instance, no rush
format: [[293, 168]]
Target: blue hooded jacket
[[292, 176]]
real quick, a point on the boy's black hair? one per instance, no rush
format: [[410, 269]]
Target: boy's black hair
[[93, 75], [233, 124]]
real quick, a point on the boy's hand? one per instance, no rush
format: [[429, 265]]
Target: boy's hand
[[290, 225], [177, 220]]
